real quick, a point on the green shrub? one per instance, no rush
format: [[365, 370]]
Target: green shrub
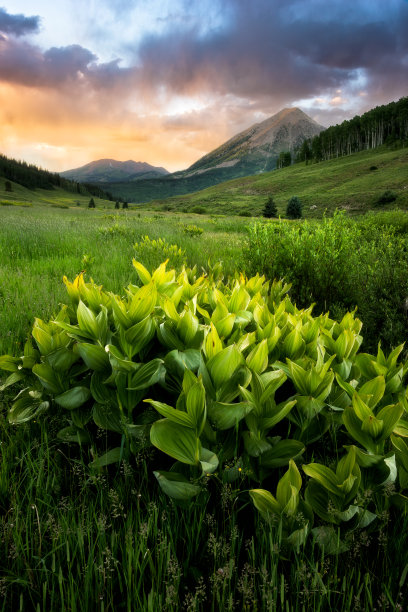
[[234, 386], [294, 208], [340, 264], [198, 210], [152, 251], [244, 213], [192, 230], [386, 198]]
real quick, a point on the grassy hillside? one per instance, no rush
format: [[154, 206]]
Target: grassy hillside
[[348, 183], [57, 197]]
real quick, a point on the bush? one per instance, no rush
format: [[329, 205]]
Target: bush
[[294, 208], [235, 387], [198, 210], [192, 230], [386, 198], [244, 213], [339, 263], [153, 251], [91, 203], [269, 211], [117, 205]]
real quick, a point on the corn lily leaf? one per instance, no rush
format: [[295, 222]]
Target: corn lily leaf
[[176, 440], [73, 398], [176, 485]]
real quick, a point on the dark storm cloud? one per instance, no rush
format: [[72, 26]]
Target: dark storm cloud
[[266, 50], [18, 25]]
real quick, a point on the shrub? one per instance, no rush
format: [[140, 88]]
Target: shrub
[[153, 251], [198, 210], [340, 264], [192, 230], [386, 198], [372, 168], [244, 213], [233, 385], [270, 209], [117, 205], [294, 208], [91, 203], [125, 205]]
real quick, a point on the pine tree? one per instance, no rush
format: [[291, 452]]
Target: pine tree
[[91, 203], [294, 208], [270, 209], [117, 205], [7, 186], [125, 205]]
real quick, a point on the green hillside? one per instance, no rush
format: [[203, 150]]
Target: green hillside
[[353, 183], [56, 197]]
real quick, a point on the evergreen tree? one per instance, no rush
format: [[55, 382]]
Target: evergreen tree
[[270, 209], [91, 203], [117, 205], [125, 205], [294, 208], [7, 186]]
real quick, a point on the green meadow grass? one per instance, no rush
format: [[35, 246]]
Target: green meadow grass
[[346, 183], [72, 539]]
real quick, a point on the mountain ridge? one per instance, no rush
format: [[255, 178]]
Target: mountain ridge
[[107, 170]]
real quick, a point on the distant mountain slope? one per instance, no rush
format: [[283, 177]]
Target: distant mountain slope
[[111, 170], [257, 148], [352, 183], [253, 151]]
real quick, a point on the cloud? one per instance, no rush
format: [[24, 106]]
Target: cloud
[[18, 25]]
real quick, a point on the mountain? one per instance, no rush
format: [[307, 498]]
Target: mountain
[[257, 148], [112, 171], [252, 151]]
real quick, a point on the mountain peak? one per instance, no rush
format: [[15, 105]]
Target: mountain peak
[[257, 148], [110, 170]]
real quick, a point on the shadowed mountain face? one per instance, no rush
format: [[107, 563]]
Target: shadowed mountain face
[[257, 148], [110, 170], [253, 151]]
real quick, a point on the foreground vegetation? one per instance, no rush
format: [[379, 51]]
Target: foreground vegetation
[[111, 532]]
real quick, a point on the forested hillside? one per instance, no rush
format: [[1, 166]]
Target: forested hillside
[[32, 177], [387, 124]]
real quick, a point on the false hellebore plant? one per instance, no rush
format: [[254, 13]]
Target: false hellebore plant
[[232, 383]]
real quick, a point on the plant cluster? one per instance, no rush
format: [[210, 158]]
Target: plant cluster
[[341, 264], [153, 251], [235, 386], [192, 230]]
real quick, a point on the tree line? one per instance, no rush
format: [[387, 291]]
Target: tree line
[[32, 177], [383, 125]]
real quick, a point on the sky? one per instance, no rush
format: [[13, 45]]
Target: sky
[[167, 81]]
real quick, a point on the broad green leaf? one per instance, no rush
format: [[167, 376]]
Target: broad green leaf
[[195, 403], [143, 303], [62, 359], [187, 327], [12, 379], [294, 345], [179, 442], [265, 502], [118, 361], [354, 427], [94, 356], [329, 540], [73, 398], [48, 377], [42, 337], [271, 381], [226, 415], [212, 343], [222, 366], [144, 274], [101, 392], [74, 434], [280, 454], [81, 416], [177, 416], [9, 363], [107, 416], [363, 459], [114, 455], [372, 426], [280, 412], [360, 408], [148, 375], [139, 335], [374, 389], [209, 461], [87, 320], [176, 485], [255, 445], [390, 416], [324, 476], [25, 409], [225, 325], [257, 359]]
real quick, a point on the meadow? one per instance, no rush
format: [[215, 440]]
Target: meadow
[[73, 537]]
